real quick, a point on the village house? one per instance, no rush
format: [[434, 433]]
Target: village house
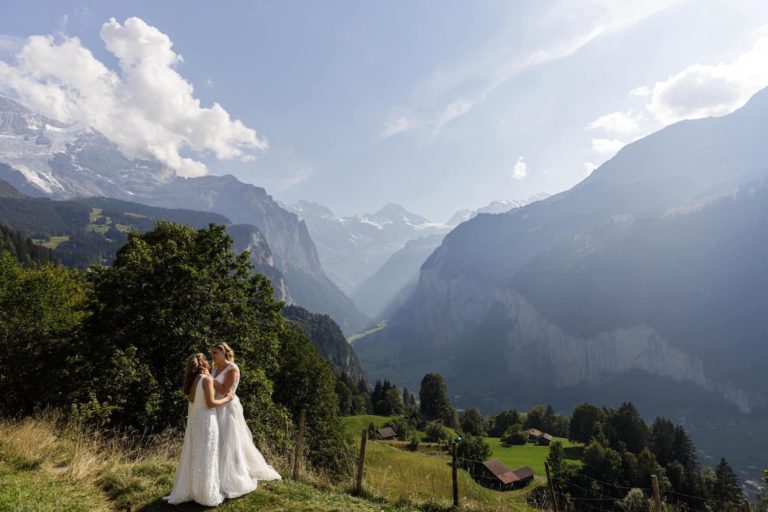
[[386, 433], [495, 475], [536, 436]]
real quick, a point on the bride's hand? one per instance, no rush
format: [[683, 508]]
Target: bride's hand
[[231, 395]]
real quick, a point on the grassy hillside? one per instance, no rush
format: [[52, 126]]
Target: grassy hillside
[[423, 478], [530, 455], [44, 467]]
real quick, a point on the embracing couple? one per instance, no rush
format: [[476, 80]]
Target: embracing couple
[[218, 459]]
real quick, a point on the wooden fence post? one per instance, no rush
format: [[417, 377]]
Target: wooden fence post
[[298, 452], [455, 475], [551, 487], [656, 494], [361, 462]]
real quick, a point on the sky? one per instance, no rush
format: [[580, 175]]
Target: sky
[[436, 105]]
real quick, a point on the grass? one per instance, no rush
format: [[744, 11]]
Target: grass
[[51, 242], [48, 466], [363, 334], [97, 228], [354, 425], [94, 215], [423, 478], [530, 455]]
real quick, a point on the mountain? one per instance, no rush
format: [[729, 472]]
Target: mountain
[[398, 274], [326, 335], [646, 275], [351, 249], [82, 232], [293, 248], [499, 206], [43, 157]]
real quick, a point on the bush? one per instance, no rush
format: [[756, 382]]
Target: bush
[[514, 435], [413, 444], [473, 450], [436, 432]]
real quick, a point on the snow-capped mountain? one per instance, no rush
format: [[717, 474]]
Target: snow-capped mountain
[[54, 159], [494, 207], [353, 248]]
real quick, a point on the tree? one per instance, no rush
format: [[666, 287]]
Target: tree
[[514, 435], [500, 422], [635, 501], [41, 311], [171, 292], [305, 380], [726, 487], [629, 428], [434, 401], [583, 420], [472, 422], [472, 450], [436, 432], [556, 457]]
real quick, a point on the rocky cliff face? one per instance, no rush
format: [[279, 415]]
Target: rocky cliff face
[[294, 252], [649, 267]]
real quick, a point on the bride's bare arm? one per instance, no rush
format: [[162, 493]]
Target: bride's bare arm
[[210, 396], [229, 380]]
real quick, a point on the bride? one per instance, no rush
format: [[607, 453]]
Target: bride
[[240, 463], [197, 475]]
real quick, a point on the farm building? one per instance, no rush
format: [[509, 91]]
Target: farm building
[[494, 474], [385, 433], [539, 437]]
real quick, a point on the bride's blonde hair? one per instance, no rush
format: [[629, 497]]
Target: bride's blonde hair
[[229, 354], [191, 370]]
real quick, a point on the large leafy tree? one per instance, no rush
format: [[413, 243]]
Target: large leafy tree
[[305, 380], [583, 420], [40, 312], [171, 292]]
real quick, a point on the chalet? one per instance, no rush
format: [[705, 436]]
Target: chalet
[[538, 437], [494, 474], [385, 433]]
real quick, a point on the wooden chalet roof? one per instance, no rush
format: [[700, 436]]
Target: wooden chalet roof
[[387, 432], [506, 475]]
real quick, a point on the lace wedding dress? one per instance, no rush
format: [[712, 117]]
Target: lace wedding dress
[[241, 464], [197, 475]]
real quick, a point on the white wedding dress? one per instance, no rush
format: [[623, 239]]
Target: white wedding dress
[[241, 464], [197, 475]]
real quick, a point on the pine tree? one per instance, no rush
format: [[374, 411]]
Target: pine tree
[[727, 488]]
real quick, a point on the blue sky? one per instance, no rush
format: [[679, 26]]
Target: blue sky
[[435, 105]]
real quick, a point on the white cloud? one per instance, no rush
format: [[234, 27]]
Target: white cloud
[[699, 90], [520, 169], [453, 111], [398, 124], [702, 90], [147, 108], [451, 93], [620, 122], [607, 147]]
